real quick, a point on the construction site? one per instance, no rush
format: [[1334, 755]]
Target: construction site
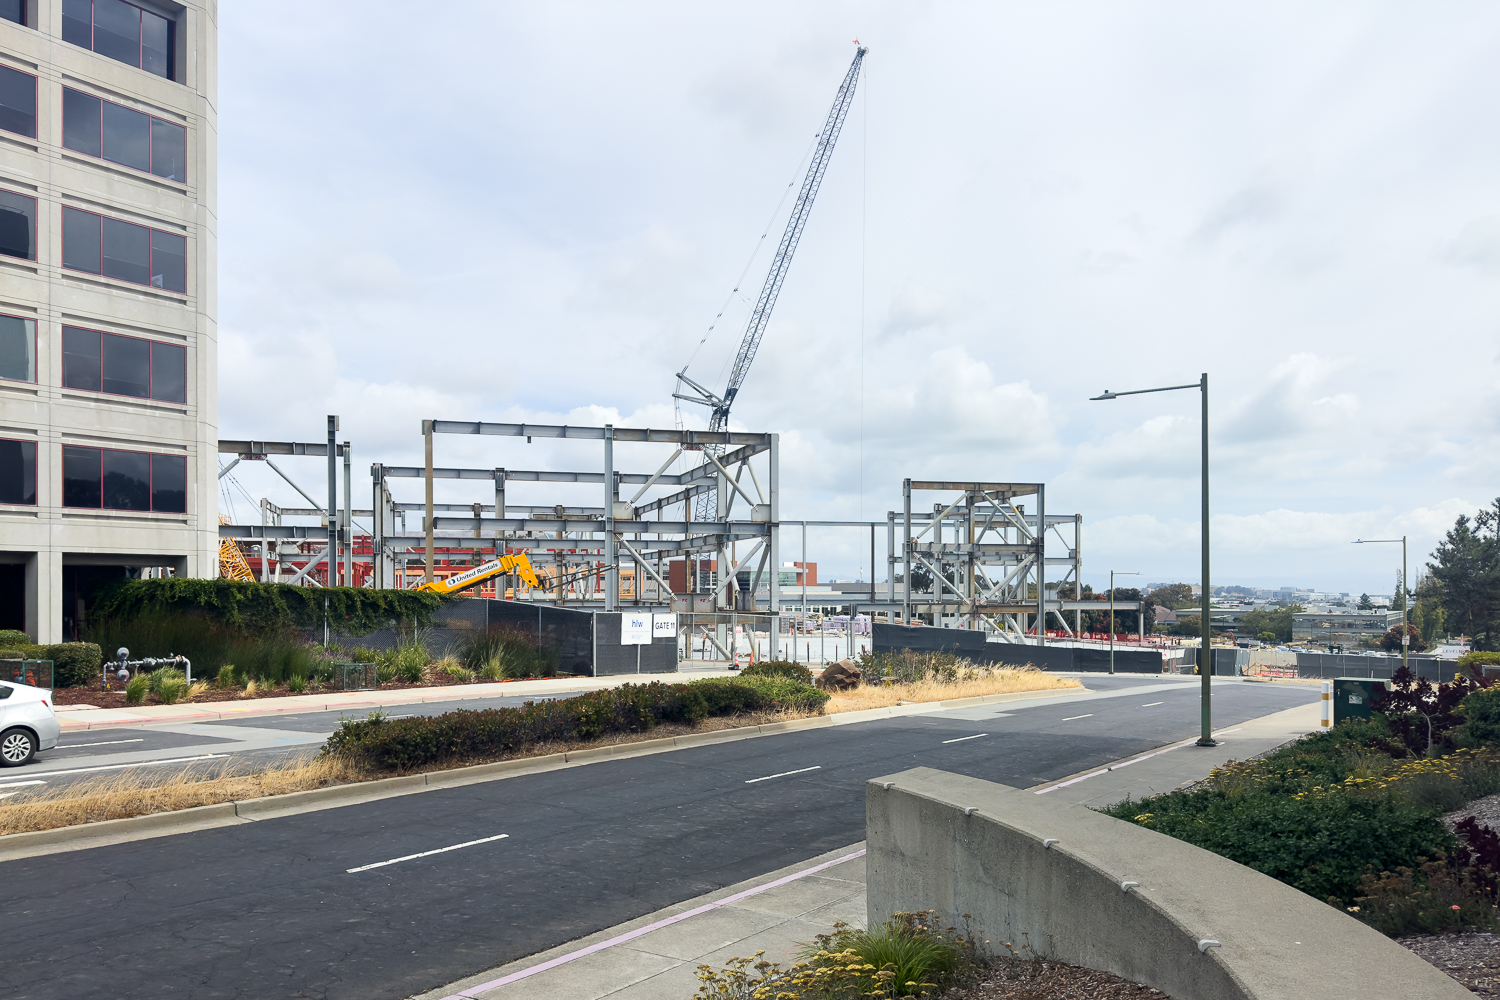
[[679, 528]]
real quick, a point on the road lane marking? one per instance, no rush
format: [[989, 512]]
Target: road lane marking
[[783, 774], [103, 743], [18, 785], [1154, 704], [1072, 717], [425, 854], [1133, 760], [472, 992], [962, 738], [143, 763]]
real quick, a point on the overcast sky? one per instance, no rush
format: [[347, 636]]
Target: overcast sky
[[534, 212]]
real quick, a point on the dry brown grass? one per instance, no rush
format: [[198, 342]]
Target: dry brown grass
[[134, 792], [972, 683]]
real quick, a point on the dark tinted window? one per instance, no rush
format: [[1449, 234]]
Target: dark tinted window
[[127, 136], [168, 261], [18, 348], [17, 102], [156, 44], [18, 472], [17, 225], [80, 240], [78, 22], [81, 359], [168, 373], [13, 10], [81, 123], [127, 251], [80, 476], [127, 366], [168, 150], [169, 483], [127, 480], [117, 31]]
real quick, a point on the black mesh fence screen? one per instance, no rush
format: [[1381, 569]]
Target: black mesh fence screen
[[972, 645]]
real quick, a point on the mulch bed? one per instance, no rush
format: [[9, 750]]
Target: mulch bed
[[1016, 979], [1472, 959]]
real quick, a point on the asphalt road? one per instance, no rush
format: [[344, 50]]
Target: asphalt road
[[160, 751], [271, 909]]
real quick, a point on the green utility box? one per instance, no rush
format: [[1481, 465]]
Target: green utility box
[[1351, 697]]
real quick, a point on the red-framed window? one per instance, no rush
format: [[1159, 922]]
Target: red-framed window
[[17, 102], [113, 479], [17, 348], [133, 35], [17, 225], [98, 244], [96, 127], [95, 361], [17, 472]]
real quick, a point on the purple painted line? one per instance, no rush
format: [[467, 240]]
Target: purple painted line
[[472, 992]]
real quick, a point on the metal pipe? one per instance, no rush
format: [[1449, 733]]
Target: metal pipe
[[347, 519], [333, 502], [427, 445]]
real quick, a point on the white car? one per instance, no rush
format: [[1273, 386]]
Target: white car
[[27, 723]]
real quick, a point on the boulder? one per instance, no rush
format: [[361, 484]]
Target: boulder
[[840, 676]]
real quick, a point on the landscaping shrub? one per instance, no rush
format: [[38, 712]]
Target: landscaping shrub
[[1481, 714], [271, 657], [267, 607], [73, 663], [779, 668], [505, 654], [13, 637], [466, 735], [135, 690]]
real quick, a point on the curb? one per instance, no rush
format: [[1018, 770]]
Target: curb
[[15, 846]]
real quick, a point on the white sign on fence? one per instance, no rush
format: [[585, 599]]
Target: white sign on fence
[[635, 628], [664, 626]]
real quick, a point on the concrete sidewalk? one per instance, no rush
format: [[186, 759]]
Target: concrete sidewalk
[[655, 957], [74, 719]]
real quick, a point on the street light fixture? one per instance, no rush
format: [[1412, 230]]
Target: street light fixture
[[1405, 639], [1112, 574], [1205, 657]]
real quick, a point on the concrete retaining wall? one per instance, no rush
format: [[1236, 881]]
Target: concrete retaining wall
[[961, 845]]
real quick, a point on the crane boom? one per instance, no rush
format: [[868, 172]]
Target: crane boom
[[755, 326]]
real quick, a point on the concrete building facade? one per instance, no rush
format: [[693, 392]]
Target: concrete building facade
[[108, 339]]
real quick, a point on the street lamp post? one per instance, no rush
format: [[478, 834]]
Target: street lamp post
[[1405, 639], [1112, 614], [1205, 656]]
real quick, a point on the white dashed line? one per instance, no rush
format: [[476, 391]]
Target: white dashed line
[[962, 738], [425, 854], [1072, 717], [783, 774], [1154, 704], [104, 743]]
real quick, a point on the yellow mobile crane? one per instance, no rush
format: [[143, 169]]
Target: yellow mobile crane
[[505, 564]]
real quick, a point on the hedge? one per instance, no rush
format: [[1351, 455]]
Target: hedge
[[397, 744], [267, 607], [73, 663]]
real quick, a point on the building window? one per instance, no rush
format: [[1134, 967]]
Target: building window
[[17, 225], [121, 31], [109, 479], [13, 10], [101, 245], [18, 472], [96, 127], [18, 348], [124, 366], [17, 102]]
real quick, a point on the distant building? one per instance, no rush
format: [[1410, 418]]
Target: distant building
[[1343, 625]]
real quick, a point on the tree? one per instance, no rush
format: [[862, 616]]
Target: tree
[[1175, 596], [1278, 622], [1266, 637], [1365, 604], [1467, 575], [1391, 641], [1398, 595]]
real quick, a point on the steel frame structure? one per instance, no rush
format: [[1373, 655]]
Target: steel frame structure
[[987, 557]]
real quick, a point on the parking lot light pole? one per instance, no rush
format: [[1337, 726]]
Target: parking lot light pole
[[1112, 613], [1206, 654], [1405, 594]]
